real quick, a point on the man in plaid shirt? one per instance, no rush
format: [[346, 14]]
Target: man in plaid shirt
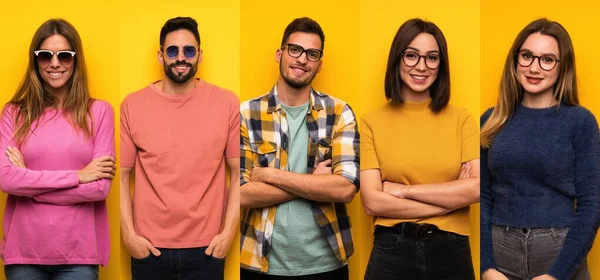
[[299, 166]]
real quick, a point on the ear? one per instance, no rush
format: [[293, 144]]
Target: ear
[[320, 65], [278, 54], [200, 55], [160, 57]]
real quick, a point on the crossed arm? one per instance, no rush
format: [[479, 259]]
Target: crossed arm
[[270, 186], [394, 200]]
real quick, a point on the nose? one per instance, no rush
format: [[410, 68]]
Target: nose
[[54, 63], [535, 66], [180, 55], [303, 58], [421, 65]]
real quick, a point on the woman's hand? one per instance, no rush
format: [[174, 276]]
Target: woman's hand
[[493, 274], [99, 168], [465, 171], [15, 157]]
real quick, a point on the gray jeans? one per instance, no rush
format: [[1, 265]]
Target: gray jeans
[[526, 253]]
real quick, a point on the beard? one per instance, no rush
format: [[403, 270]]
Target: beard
[[294, 83], [180, 78]]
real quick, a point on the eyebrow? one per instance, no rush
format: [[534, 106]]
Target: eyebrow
[[417, 50], [528, 50], [304, 47]]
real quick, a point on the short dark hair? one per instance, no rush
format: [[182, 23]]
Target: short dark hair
[[306, 25], [179, 23], [440, 89]]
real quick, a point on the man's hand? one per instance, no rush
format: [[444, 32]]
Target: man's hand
[[139, 247], [323, 168], [219, 245]]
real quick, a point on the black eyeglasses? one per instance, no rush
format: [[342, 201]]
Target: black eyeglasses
[[173, 51], [296, 51], [412, 58], [45, 56], [547, 61]]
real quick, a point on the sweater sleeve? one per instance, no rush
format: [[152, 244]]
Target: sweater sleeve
[[22, 181], [104, 145], [579, 239], [486, 207]]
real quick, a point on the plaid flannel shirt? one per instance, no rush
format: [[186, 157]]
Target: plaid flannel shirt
[[264, 141]]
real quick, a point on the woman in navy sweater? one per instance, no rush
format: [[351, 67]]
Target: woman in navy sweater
[[540, 164]]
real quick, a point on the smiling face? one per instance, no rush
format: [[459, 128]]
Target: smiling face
[[533, 78], [419, 77], [299, 72], [55, 74], [180, 68]]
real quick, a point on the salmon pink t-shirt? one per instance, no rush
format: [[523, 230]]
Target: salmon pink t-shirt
[[178, 144]]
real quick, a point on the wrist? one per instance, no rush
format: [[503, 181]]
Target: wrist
[[265, 175], [408, 192]]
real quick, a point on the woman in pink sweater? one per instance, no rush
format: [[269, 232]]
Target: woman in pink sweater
[[58, 164]]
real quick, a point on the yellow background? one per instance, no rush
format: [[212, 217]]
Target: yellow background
[[219, 25], [100, 38], [580, 18], [379, 22]]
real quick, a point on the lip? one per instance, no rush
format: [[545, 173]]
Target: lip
[[534, 80], [55, 74], [299, 70], [418, 79], [181, 68]]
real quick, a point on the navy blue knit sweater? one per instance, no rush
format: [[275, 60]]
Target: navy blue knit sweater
[[541, 162]]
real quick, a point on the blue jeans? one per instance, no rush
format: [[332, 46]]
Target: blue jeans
[[50, 272], [178, 264]]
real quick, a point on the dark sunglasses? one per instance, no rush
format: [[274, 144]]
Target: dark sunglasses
[[173, 51], [45, 56]]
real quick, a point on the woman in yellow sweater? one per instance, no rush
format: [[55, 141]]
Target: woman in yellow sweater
[[419, 165]]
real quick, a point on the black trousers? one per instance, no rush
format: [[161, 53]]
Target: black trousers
[[407, 251]]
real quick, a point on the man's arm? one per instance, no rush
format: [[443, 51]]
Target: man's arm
[[219, 245], [317, 187], [139, 247], [255, 194]]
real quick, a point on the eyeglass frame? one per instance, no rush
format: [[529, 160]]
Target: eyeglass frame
[[419, 60], [53, 54], [303, 51], [164, 50], [539, 60]]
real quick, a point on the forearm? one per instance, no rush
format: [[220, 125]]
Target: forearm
[[126, 213], [25, 182], [449, 195], [259, 195], [323, 188], [232, 211], [94, 191], [380, 204]]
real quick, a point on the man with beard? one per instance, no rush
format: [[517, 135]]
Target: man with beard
[[299, 166], [178, 134]]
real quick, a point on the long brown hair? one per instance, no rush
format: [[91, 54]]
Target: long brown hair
[[30, 99], [511, 92]]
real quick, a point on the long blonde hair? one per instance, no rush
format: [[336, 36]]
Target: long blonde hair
[[511, 91], [30, 99]]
